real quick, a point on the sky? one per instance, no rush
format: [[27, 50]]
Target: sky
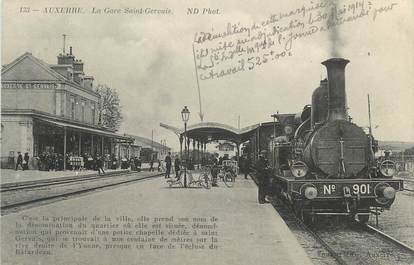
[[149, 60]]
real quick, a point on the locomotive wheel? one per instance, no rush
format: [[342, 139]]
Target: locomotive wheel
[[297, 208], [301, 211], [363, 218], [308, 218]]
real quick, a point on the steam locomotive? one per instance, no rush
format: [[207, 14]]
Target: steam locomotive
[[321, 162]]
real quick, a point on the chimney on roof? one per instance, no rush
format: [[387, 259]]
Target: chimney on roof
[[77, 74], [88, 82], [66, 58]]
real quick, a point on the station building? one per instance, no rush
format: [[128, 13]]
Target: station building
[[51, 108], [226, 149]]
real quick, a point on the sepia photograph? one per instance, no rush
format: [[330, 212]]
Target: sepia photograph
[[207, 132]]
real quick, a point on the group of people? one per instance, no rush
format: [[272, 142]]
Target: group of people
[[23, 162], [168, 165], [134, 162], [262, 168], [152, 165], [51, 161], [48, 161]]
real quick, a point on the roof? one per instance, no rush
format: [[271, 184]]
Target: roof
[[211, 131], [146, 143], [25, 70], [63, 124], [30, 68]]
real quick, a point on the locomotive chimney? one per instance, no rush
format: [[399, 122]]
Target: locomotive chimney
[[337, 109]]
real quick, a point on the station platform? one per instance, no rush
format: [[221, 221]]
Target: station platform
[[10, 176], [247, 232]]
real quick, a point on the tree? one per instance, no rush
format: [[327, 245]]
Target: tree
[[409, 151], [109, 108]]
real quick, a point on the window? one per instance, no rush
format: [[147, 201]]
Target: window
[[72, 108], [83, 111], [93, 112]]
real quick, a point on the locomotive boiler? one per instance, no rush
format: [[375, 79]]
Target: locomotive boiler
[[324, 164]]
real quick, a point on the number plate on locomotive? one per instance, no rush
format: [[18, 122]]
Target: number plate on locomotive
[[337, 189]]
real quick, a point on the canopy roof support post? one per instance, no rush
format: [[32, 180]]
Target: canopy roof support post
[[181, 147], [118, 145], [205, 153], [194, 154], [80, 144], [187, 155], [64, 147], [102, 145], [198, 152]]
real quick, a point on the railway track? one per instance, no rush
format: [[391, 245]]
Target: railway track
[[388, 237], [360, 244], [55, 181], [17, 197], [346, 243], [317, 249]]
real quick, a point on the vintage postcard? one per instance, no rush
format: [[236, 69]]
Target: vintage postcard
[[207, 132]]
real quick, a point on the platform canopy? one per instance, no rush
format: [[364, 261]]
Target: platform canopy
[[212, 131]]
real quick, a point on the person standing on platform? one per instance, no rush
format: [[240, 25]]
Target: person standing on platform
[[26, 161], [168, 165], [19, 160], [247, 164], [138, 163], [214, 171], [241, 163], [220, 160], [99, 164], [177, 167], [151, 165], [60, 162], [114, 162], [132, 164], [67, 159], [262, 177], [159, 165], [85, 160]]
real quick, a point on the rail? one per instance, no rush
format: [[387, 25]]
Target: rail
[[17, 205], [54, 181]]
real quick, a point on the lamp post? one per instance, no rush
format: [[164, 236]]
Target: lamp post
[[185, 115], [274, 132]]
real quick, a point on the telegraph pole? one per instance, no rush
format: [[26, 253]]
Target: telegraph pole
[[152, 144], [198, 87], [64, 43], [369, 116]]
